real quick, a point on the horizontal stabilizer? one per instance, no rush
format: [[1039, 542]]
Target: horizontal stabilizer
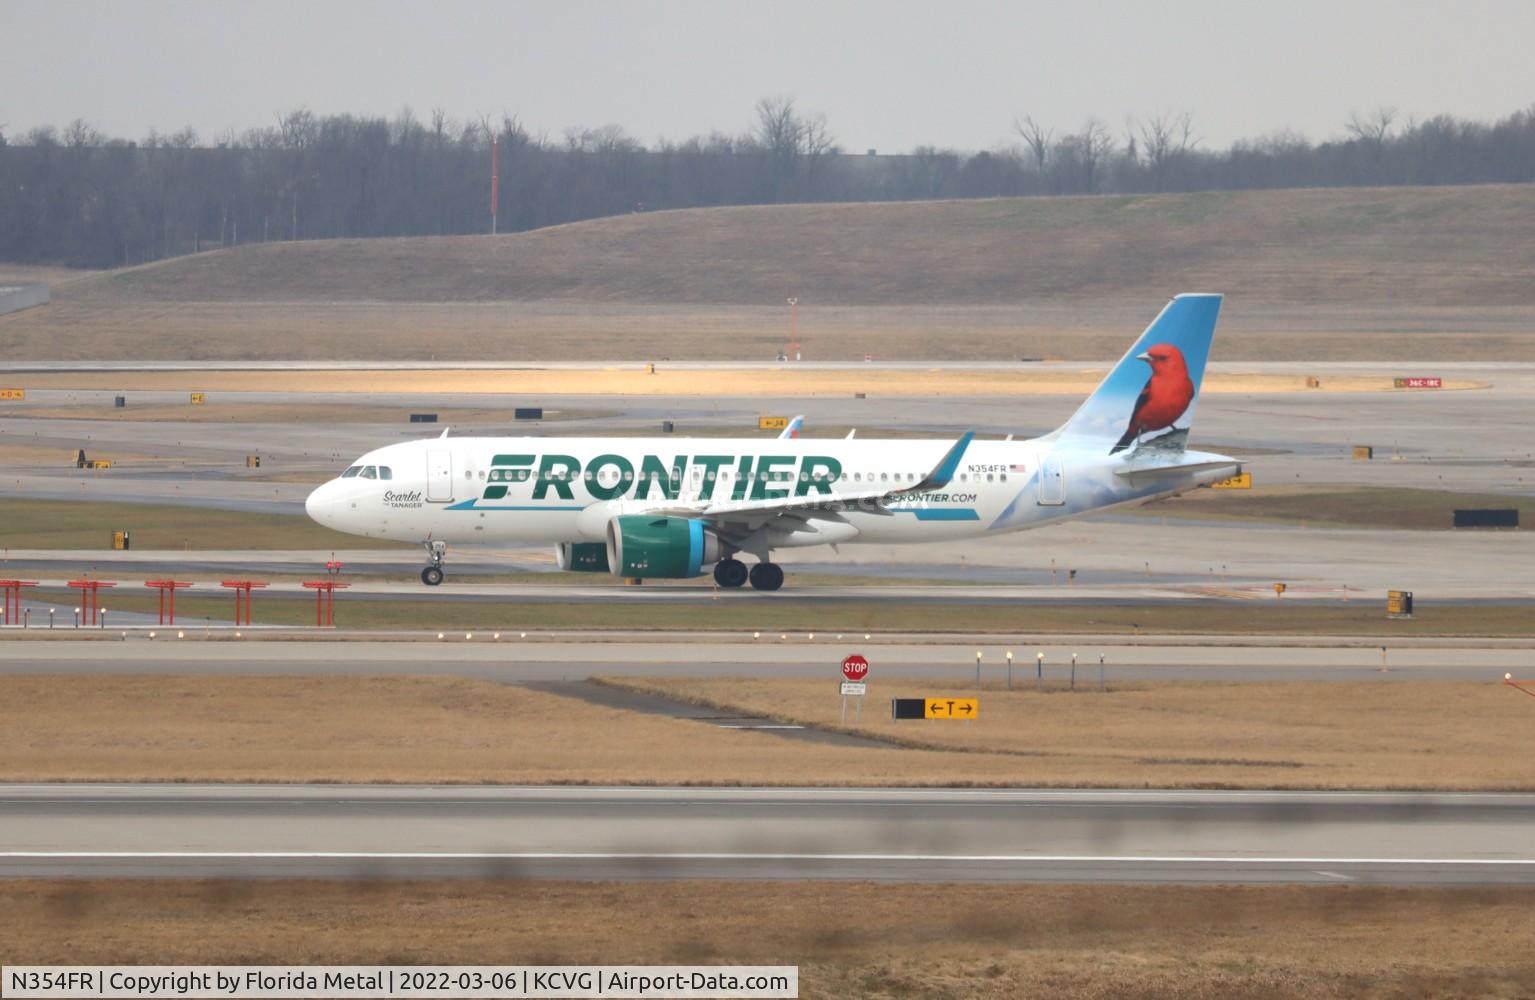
[[1208, 463]]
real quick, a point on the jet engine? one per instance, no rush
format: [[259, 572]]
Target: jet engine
[[582, 557], [669, 548]]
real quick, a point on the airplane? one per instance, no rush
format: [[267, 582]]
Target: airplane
[[666, 508]]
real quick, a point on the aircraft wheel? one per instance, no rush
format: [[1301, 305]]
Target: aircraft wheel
[[730, 572], [431, 576], [766, 576]]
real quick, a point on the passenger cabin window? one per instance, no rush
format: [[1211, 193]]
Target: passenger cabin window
[[369, 472], [352, 472]]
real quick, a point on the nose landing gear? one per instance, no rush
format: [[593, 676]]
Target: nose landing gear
[[432, 575]]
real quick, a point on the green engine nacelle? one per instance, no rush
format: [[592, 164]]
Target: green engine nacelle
[[668, 548], [582, 557]]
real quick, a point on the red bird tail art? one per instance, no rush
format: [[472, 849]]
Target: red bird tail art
[[1167, 394], [1176, 347]]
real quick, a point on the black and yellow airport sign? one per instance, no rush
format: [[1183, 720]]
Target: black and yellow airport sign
[[13, 394], [1240, 481], [198, 399], [772, 423], [934, 708]]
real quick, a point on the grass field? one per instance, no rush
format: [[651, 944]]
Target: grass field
[[1334, 507], [859, 939], [1395, 735], [749, 612], [1275, 246], [1421, 734], [1339, 274], [218, 411], [62, 524]]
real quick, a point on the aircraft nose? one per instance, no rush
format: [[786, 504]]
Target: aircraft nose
[[317, 504]]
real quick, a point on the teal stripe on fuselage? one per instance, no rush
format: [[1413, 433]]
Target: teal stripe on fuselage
[[943, 514], [474, 505]]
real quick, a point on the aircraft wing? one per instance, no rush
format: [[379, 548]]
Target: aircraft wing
[[755, 513]]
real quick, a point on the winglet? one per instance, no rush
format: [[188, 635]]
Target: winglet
[[946, 467], [793, 428]]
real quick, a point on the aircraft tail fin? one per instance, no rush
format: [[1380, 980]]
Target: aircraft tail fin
[[1146, 403]]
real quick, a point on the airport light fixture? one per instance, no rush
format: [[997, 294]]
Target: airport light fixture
[[1039, 672], [1009, 669], [977, 669]]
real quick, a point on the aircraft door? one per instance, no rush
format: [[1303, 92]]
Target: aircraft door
[[439, 476], [693, 483], [1052, 482]]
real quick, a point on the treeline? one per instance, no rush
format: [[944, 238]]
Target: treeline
[[78, 197]]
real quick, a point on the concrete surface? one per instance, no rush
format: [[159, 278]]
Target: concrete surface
[[603, 833]]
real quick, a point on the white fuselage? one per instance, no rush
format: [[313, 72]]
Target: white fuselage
[[520, 490]]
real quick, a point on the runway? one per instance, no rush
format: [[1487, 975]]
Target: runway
[[514, 659], [892, 835]]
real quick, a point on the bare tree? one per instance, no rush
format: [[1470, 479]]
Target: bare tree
[[1372, 129], [795, 144], [1165, 138], [1092, 147], [1036, 137]]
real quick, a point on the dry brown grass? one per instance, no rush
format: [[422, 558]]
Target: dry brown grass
[[1346, 274], [1328, 506], [88, 329], [1322, 734], [858, 939], [443, 729], [218, 411], [1427, 246], [36, 455], [784, 381]]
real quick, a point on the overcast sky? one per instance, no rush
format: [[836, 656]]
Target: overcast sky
[[888, 75]]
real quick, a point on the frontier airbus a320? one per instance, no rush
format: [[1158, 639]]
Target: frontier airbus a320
[[672, 508]]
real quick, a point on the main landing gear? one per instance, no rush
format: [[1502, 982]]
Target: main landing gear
[[730, 573], [733, 573], [432, 575], [767, 576]]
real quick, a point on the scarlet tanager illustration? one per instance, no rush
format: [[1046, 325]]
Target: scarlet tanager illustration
[[1168, 393]]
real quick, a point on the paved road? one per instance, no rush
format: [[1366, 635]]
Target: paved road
[[514, 659], [964, 835]]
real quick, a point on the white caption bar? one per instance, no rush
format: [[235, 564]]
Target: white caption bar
[[510, 981]]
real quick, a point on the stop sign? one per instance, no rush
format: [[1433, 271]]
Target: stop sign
[[855, 668]]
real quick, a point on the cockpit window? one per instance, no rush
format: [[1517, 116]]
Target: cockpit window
[[384, 472], [369, 472], [352, 472]]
